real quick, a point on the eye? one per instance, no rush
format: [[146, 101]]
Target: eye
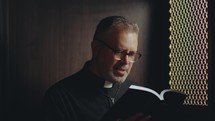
[[118, 51], [131, 54]]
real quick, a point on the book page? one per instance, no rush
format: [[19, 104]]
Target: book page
[[173, 96], [147, 90], [167, 90]]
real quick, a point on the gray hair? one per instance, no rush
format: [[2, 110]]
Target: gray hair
[[115, 22]]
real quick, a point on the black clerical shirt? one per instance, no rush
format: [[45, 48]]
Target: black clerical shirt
[[81, 97]]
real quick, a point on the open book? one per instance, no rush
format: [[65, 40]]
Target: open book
[[161, 106], [169, 96]]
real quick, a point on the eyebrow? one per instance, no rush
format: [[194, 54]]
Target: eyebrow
[[107, 45], [115, 49]]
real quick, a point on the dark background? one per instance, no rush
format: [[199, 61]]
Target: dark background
[[43, 41]]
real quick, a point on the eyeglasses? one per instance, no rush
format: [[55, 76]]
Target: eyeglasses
[[120, 54]]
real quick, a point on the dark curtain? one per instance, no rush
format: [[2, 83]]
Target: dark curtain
[[3, 51], [43, 41]]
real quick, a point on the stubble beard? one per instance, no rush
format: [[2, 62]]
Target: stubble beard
[[117, 79]]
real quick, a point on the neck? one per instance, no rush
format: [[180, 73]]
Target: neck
[[93, 68]]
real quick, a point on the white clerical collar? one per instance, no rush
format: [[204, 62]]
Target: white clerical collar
[[108, 84]]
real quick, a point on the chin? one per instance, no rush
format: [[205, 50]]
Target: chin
[[116, 78], [120, 79]]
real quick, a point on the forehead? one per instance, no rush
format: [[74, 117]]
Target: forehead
[[126, 40]]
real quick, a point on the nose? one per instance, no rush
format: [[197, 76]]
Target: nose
[[125, 59]]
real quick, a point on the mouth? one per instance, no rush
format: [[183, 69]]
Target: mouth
[[120, 72]]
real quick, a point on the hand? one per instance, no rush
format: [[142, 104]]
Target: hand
[[137, 117]]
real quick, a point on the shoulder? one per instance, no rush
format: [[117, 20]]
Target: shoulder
[[124, 87], [128, 83], [65, 84]]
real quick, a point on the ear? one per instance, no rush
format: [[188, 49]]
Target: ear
[[95, 46]]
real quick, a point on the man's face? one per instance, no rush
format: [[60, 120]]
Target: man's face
[[108, 66]]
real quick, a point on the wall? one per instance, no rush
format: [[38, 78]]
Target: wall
[[48, 40]]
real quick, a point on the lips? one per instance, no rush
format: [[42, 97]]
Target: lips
[[120, 72]]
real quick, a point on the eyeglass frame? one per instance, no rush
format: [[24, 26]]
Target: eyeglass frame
[[122, 53]]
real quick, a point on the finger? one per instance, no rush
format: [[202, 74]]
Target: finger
[[119, 119], [145, 118], [135, 117]]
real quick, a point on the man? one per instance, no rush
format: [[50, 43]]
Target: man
[[91, 92]]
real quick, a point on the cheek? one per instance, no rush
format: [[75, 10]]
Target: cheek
[[110, 63], [107, 61], [130, 66]]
